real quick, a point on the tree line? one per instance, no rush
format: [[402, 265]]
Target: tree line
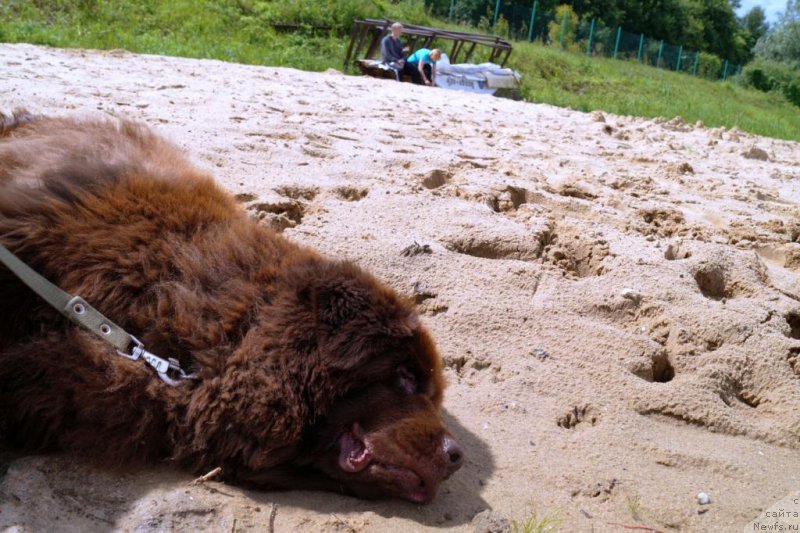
[[782, 43], [708, 25]]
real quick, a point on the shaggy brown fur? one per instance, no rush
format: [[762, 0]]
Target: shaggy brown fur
[[311, 373]]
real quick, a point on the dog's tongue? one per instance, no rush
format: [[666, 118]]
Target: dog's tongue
[[353, 453]]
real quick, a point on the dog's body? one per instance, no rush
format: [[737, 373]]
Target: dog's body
[[311, 374]]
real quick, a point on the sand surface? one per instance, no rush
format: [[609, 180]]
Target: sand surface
[[617, 300]]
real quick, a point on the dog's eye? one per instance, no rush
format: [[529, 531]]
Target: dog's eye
[[407, 380]]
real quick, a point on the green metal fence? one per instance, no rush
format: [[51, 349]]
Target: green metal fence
[[589, 36]]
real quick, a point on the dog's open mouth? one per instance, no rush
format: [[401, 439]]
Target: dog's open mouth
[[355, 456]]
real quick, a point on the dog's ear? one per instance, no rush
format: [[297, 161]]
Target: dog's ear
[[332, 305], [403, 326], [336, 305]]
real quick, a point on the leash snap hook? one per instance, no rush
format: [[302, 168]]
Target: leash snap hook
[[163, 367]]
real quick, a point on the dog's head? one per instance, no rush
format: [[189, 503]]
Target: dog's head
[[384, 436], [373, 382], [335, 385]]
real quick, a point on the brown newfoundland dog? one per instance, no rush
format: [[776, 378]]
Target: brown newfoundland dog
[[310, 373]]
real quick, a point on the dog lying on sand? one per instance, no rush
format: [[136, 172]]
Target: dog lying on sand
[[308, 372]]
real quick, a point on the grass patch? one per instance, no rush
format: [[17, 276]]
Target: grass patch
[[242, 31], [628, 88], [537, 524], [634, 504], [200, 29]]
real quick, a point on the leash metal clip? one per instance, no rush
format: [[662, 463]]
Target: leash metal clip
[[162, 366], [86, 316]]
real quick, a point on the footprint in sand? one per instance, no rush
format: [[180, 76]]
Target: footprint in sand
[[578, 415], [351, 194], [296, 192], [278, 215], [576, 255]]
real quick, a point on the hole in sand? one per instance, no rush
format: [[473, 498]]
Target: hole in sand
[[507, 200], [793, 319], [660, 370], [794, 360], [663, 372], [712, 344], [436, 179], [711, 282], [794, 232], [674, 252], [518, 195]]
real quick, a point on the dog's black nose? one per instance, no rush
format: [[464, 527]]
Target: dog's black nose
[[453, 453]]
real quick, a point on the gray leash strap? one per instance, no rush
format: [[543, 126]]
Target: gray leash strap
[[79, 311]]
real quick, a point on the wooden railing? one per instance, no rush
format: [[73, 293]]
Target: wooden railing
[[366, 35]]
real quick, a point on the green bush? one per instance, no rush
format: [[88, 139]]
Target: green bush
[[709, 66], [338, 15], [759, 79], [554, 28], [767, 76], [792, 92], [409, 12]]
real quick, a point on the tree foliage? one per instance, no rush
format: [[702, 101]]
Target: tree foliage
[[756, 25], [708, 25], [782, 43]]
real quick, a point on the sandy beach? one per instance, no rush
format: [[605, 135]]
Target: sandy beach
[[616, 299]]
